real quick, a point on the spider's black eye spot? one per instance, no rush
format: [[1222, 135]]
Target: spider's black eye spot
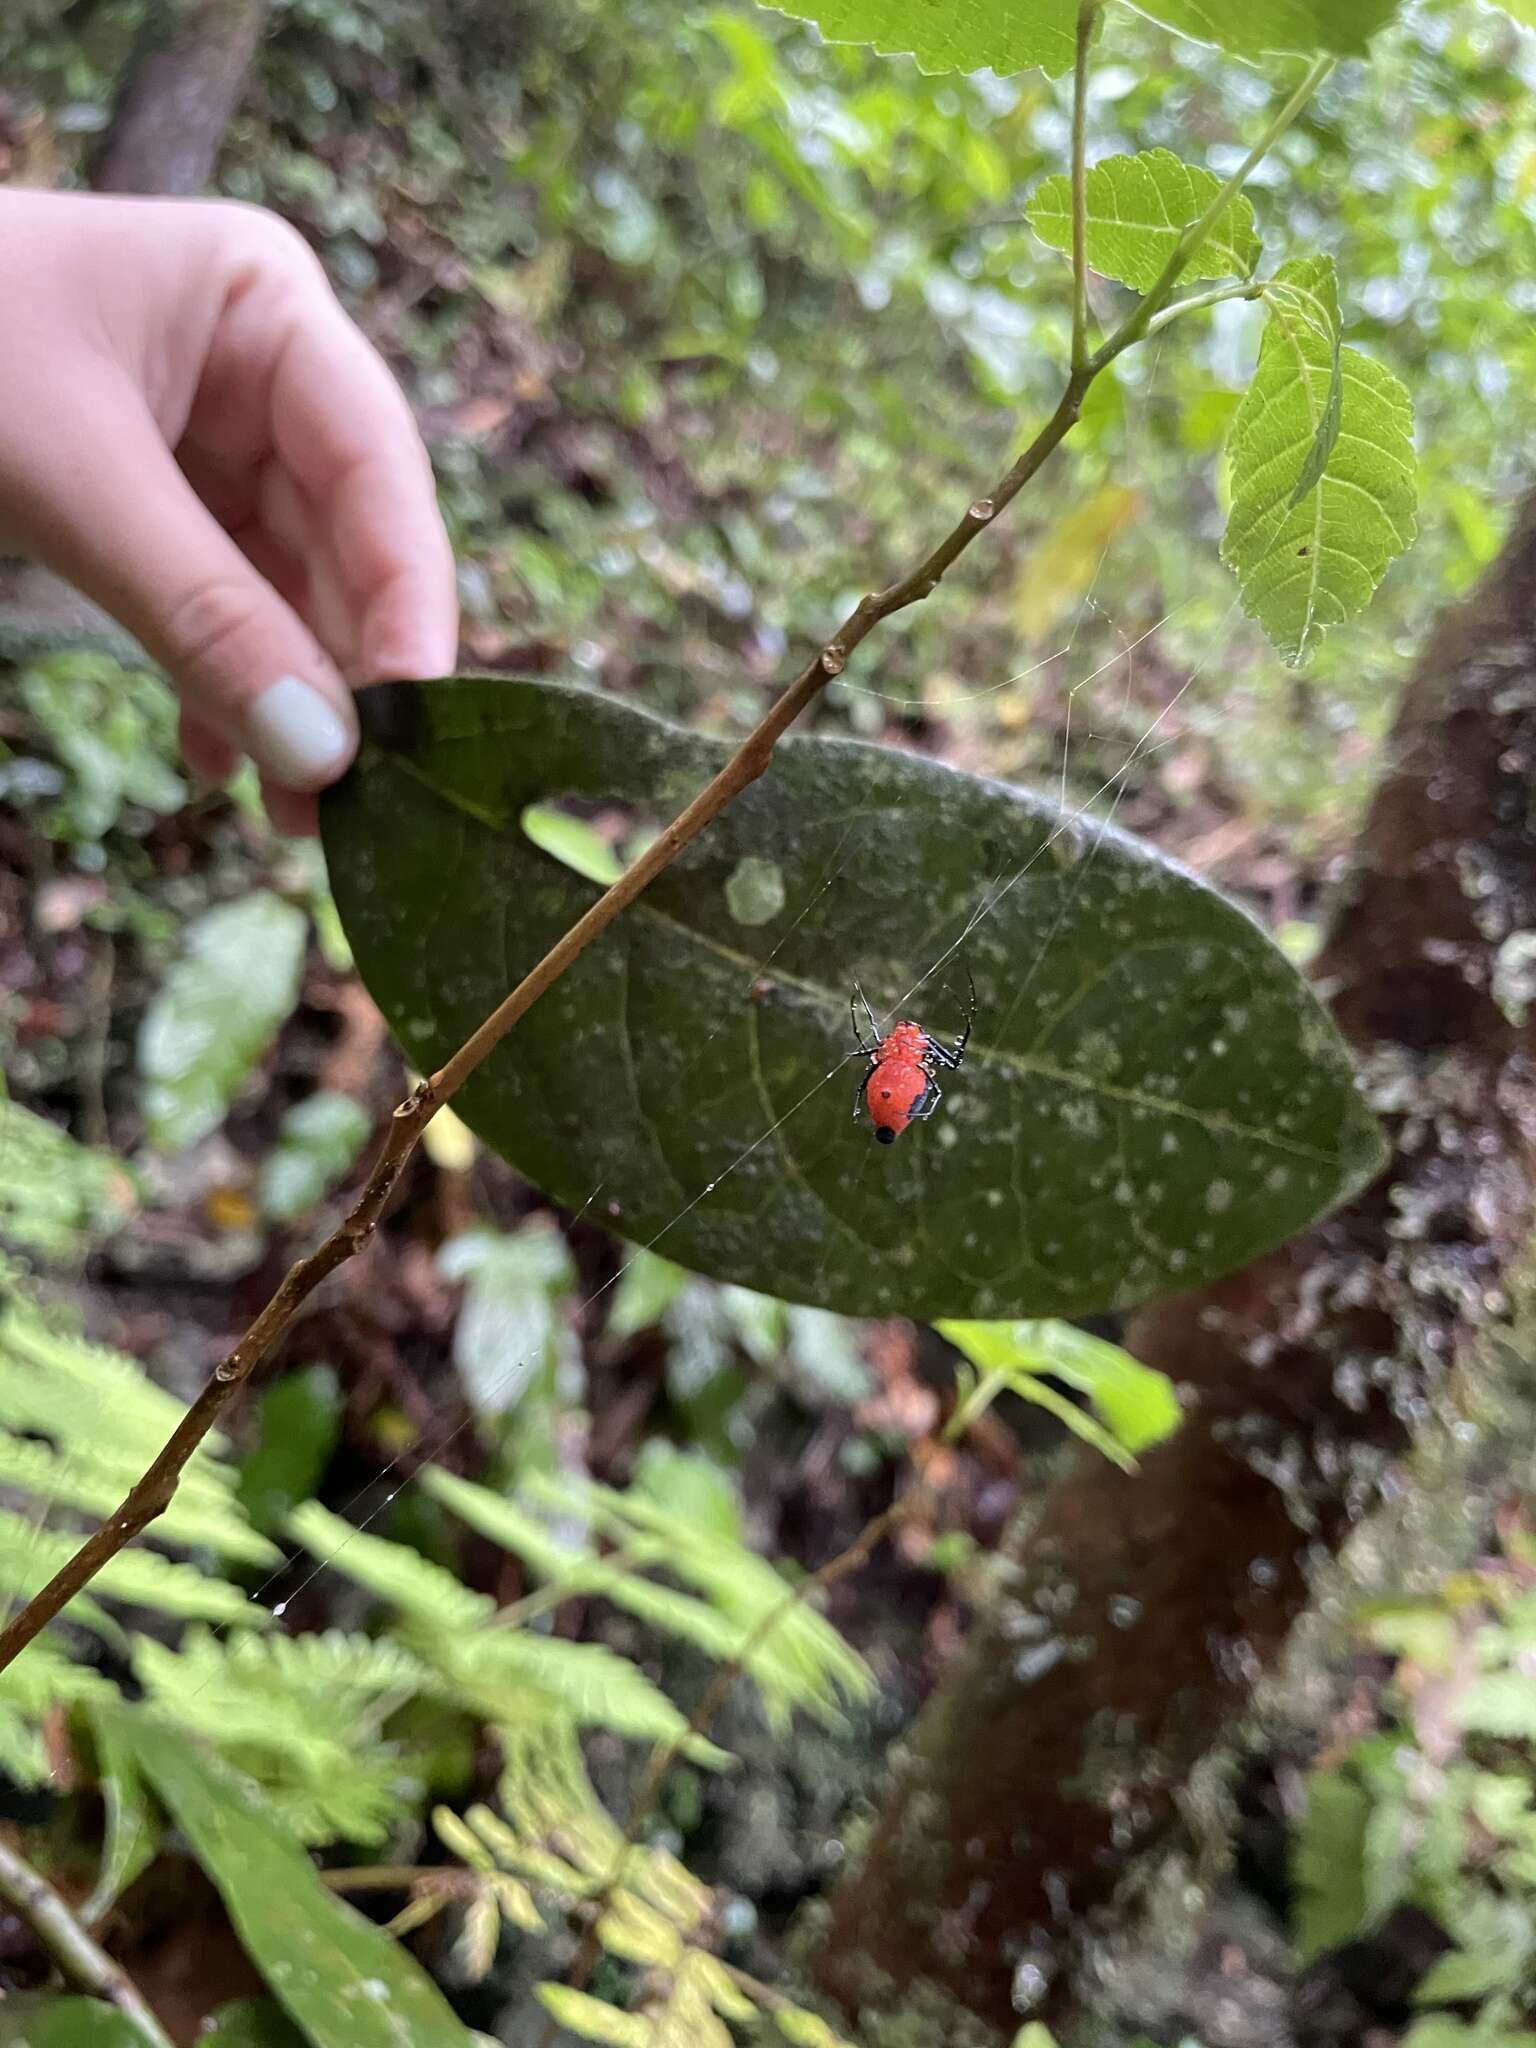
[[886, 1137], [885, 1094]]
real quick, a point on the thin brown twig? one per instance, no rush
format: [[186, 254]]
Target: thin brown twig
[[81, 1962]]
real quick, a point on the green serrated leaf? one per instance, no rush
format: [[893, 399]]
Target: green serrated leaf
[[217, 1012], [1014, 35], [1304, 27], [340, 1978], [1307, 563], [956, 35], [1137, 208], [1164, 1100]]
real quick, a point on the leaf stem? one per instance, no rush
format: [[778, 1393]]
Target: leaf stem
[[1138, 323], [1253, 288], [81, 1962], [1086, 18]]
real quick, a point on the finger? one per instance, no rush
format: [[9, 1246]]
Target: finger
[[292, 814], [344, 433], [118, 517], [206, 752], [299, 531]]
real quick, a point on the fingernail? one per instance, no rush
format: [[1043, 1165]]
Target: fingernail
[[297, 736]]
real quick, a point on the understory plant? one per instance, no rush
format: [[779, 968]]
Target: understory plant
[[1153, 1097]]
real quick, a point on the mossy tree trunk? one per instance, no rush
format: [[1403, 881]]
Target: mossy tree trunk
[[179, 94], [1140, 1611]]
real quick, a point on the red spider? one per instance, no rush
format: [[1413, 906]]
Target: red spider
[[900, 1087]]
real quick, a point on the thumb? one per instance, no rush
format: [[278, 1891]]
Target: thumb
[[117, 517]]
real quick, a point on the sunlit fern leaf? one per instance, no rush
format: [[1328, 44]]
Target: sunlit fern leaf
[[745, 1588], [31, 1554], [594, 1685], [57, 1197], [79, 1423], [801, 1663], [204, 1514], [60, 1385], [301, 1717], [45, 1678], [394, 1572]]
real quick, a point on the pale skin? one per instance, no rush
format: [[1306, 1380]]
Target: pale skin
[[195, 434]]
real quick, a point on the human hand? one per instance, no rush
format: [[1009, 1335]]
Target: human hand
[[195, 435]]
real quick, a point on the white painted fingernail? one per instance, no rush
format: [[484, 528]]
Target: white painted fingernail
[[297, 736]]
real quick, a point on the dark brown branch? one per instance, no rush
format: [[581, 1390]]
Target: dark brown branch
[[89, 1968], [1140, 1611]]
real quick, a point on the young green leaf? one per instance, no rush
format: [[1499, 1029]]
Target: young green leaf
[[956, 35], [510, 1326], [249, 2023], [1136, 1404], [1152, 1097], [1014, 35], [340, 1978], [1138, 206], [1259, 27], [647, 1288], [216, 1013], [49, 2019], [317, 1141], [1324, 480], [591, 2020]]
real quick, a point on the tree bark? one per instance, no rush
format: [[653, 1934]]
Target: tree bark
[[1139, 1611], [182, 88]]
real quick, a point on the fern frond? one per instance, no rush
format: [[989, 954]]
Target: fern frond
[[392, 1571], [30, 1555], [56, 1384], [45, 1678], [494, 1668], [802, 1663], [299, 1715], [203, 1515], [56, 1196]]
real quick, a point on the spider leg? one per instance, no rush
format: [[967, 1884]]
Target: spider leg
[[869, 1051], [933, 1095], [858, 1097], [952, 1056]]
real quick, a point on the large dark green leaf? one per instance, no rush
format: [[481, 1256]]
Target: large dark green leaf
[[341, 1979], [1151, 1097]]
